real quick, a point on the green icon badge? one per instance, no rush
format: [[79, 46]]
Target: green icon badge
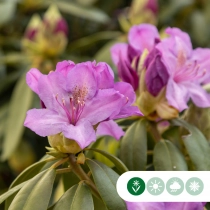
[[155, 186], [175, 186], [194, 186], [136, 186]]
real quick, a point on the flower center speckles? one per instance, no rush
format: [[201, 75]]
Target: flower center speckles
[[75, 105]]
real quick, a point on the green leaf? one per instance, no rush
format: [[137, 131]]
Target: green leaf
[[98, 204], [77, 197], [91, 13], [197, 146], [11, 191], [167, 157], [118, 163], [133, 148], [105, 179], [30, 172], [27, 174], [20, 102], [69, 179], [36, 193]]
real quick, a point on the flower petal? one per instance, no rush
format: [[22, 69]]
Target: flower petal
[[179, 41], [32, 78], [199, 96], [64, 67], [177, 95], [127, 112], [110, 128], [104, 75], [126, 90], [145, 206], [44, 122], [183, 206], [127, 74], [116, 50], [82, 78], [83, 132], [143, 36], [50, 86], [106, 103]]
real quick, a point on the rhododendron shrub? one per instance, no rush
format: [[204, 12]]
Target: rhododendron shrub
[[98, 128]]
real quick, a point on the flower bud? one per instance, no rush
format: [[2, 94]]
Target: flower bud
[[156, 107], [81, 158], [33, 27], [47, 37], [141, 11], [64, 145]]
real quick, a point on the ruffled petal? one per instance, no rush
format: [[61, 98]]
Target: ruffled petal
[[64, 67], [110, 128], [83, 133], [106, 103], [32, 78], [44, 122], [104, 75]]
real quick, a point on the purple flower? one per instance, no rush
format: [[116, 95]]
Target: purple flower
[[77, 98], [186, 70], [165, 206], [126, 56]]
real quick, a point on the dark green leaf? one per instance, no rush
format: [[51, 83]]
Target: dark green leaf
[[167, 157], [19, 104], [69, 179], [196, 145], [36, 193], [77, 197], [133, 149], [105, 179], [118, 163]]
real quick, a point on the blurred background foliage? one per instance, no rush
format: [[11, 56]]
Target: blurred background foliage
[[91, 28]]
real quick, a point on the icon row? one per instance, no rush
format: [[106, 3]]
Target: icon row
[[174, 186]]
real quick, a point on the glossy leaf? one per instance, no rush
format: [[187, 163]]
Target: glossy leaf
[[133, 148], [11, 191], [77, 197], [22, 96], [117, 162], [167, 157], [197, 146], [105, 179], [36, 193]]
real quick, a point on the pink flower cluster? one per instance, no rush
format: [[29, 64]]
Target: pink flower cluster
[[171, 63], [77, 99]]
